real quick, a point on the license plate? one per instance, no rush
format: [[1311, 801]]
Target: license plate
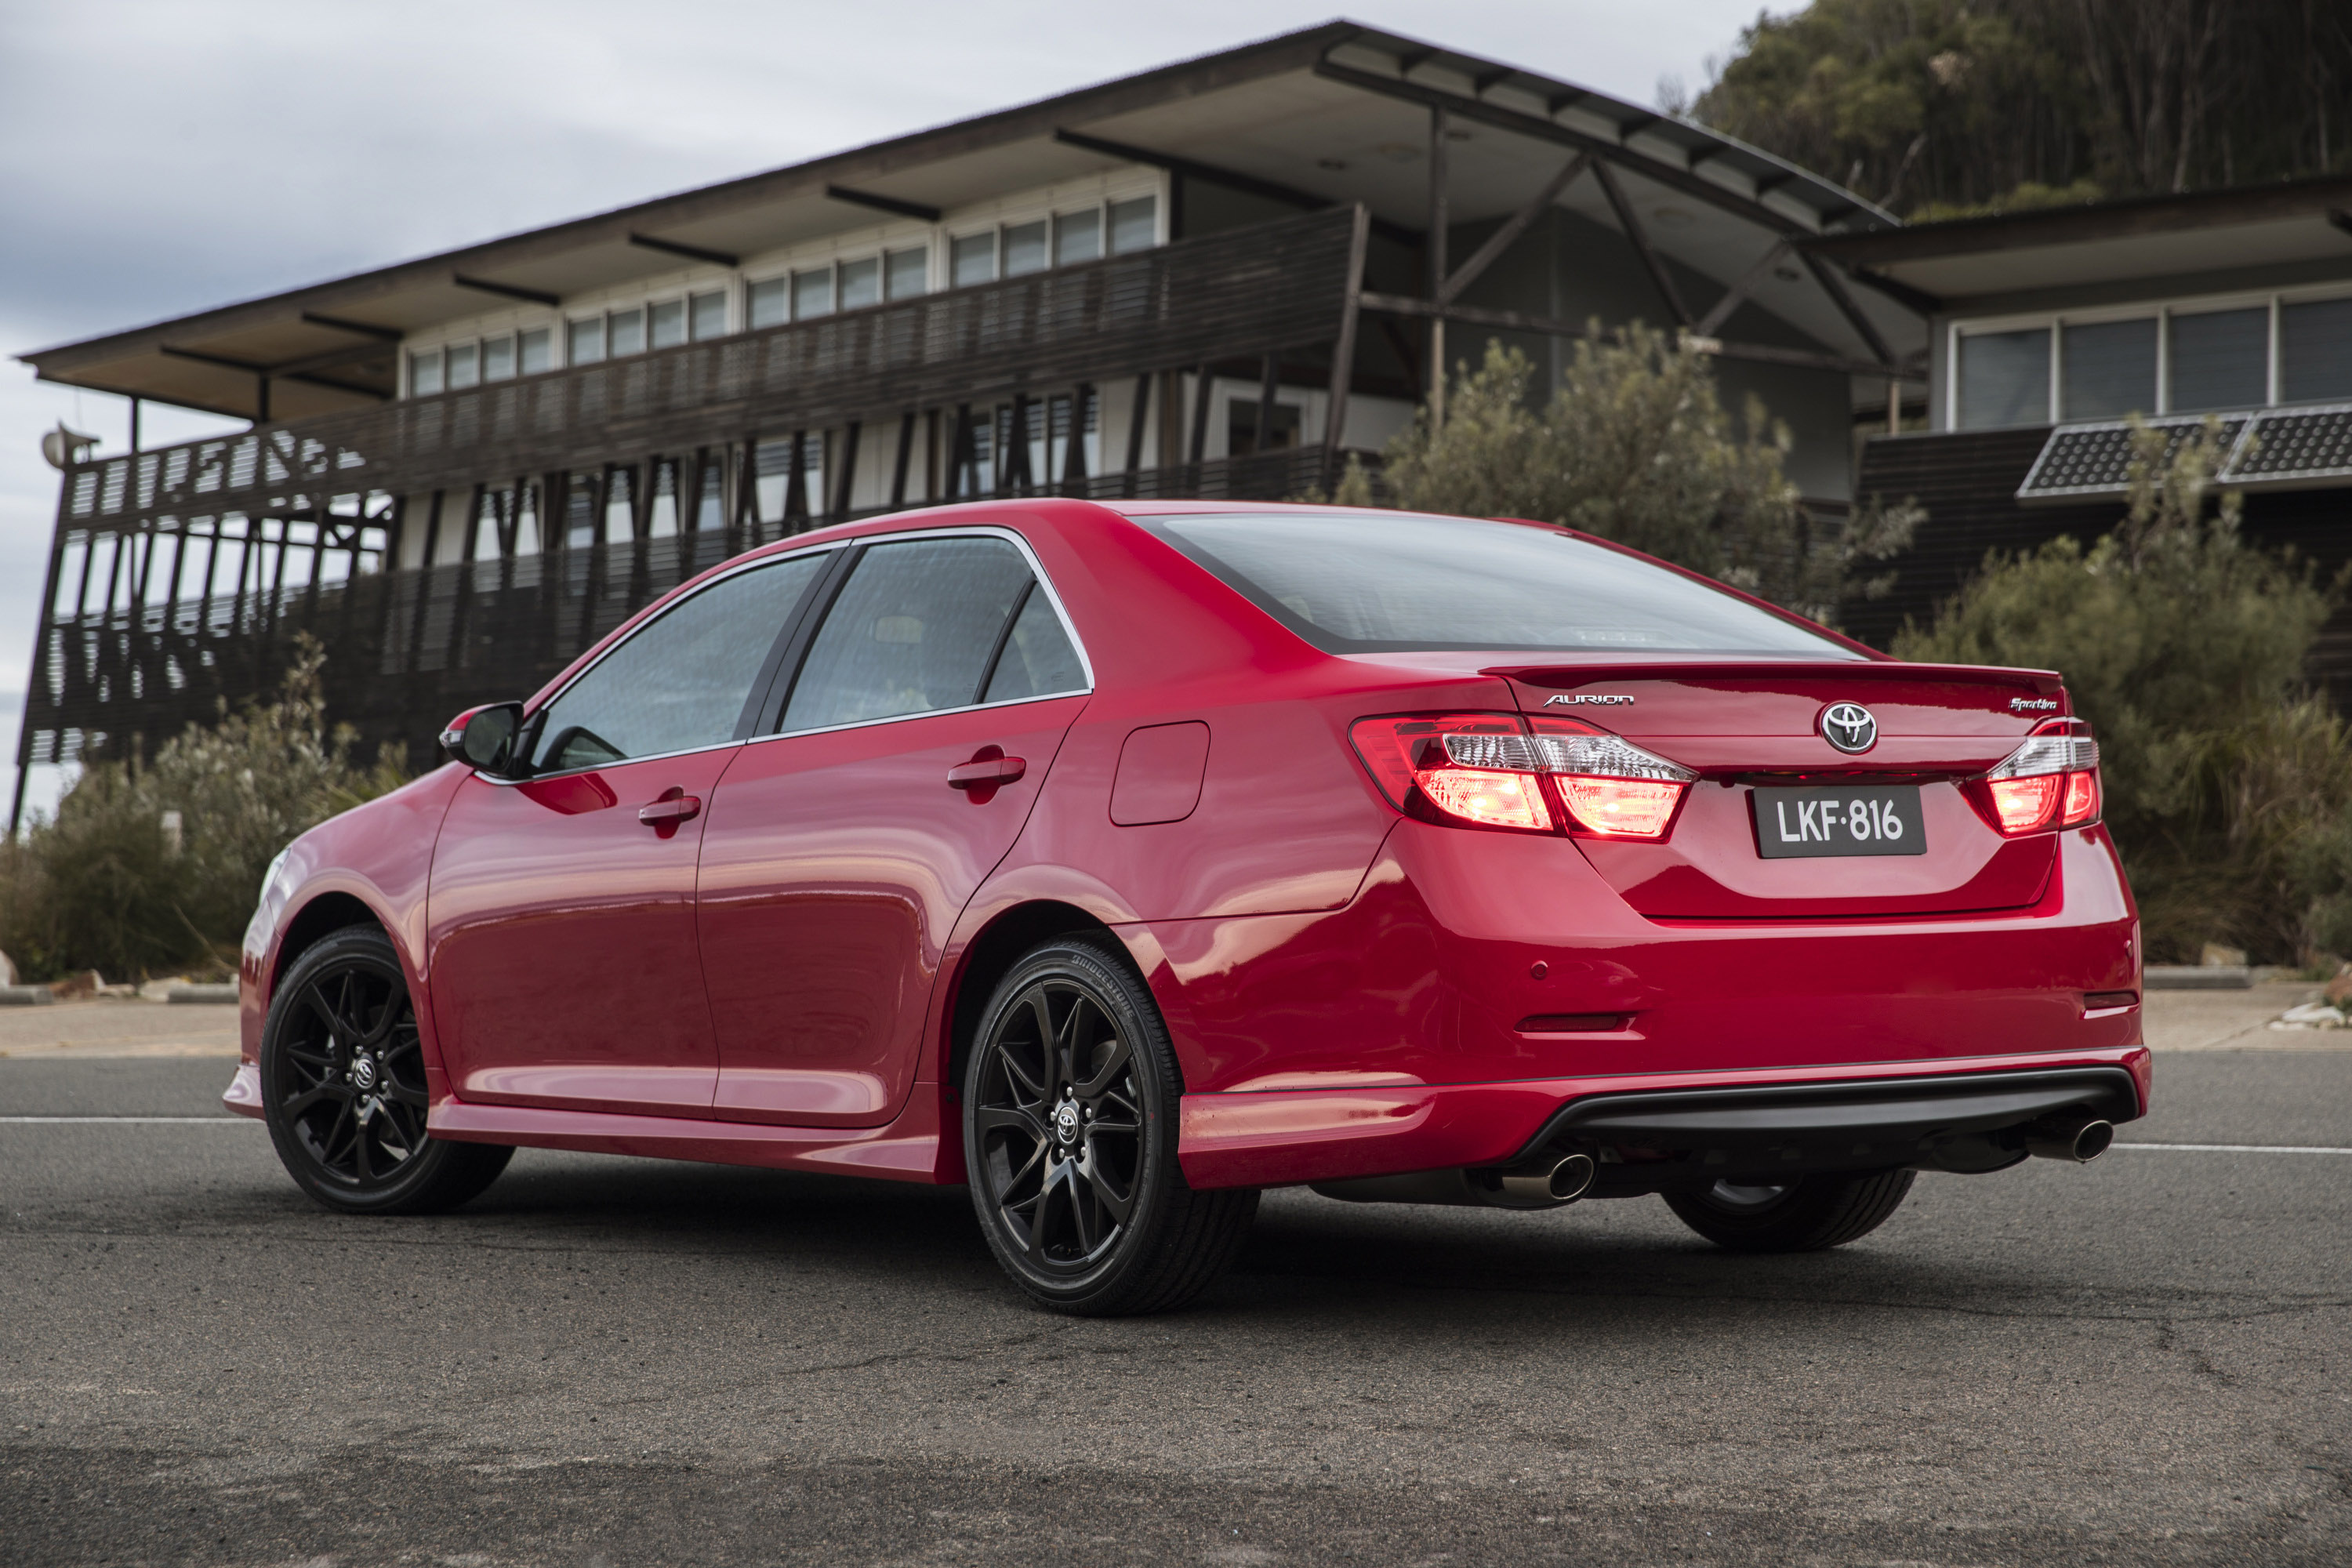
[[1831, 819]]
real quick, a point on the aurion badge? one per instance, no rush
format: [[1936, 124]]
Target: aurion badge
[[1849, 727]]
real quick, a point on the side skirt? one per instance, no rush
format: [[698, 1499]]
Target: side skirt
[[906, 1150]]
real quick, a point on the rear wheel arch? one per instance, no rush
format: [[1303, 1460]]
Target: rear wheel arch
[[992, 954]]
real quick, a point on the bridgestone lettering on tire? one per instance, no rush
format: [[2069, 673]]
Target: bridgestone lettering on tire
[[342, 1087], [1070, 1092]]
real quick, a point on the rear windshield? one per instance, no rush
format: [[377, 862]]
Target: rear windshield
[[1401, 582]]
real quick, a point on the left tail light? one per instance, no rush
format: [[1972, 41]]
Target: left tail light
[[1493, 770], [2051, 781]]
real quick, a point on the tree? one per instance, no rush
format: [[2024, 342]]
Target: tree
[[1944, 107], [1634, 446], [2184, 648]]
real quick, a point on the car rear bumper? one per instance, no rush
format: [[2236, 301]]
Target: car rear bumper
[[1651, 1130]]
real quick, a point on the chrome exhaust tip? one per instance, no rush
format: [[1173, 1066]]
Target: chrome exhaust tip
[[1549, 1182], [2078, 1140]]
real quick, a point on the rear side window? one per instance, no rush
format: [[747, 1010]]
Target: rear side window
[[924, 625], [1401, 582], [682, 680]]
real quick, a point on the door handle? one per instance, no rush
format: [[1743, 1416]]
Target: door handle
[[986, 773], [665, 815]]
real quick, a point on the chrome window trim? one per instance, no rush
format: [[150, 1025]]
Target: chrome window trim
[[989, 530]]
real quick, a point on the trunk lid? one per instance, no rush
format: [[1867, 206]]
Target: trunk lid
[[1748, 724]]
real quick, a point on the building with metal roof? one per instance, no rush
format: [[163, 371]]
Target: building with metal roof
[[1213, 279]]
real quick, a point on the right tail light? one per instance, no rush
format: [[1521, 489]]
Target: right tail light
[[1495, 770], [2051, 781]]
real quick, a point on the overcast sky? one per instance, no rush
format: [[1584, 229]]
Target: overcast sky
[[159, 156]]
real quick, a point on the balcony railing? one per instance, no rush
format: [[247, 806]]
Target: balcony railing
[[1249, 292]]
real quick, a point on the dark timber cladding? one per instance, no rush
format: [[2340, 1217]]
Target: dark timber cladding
[[687, 422]]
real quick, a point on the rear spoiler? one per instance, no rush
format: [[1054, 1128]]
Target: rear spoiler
[[1619, 667]]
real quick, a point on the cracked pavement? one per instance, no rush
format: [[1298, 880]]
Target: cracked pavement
[[605, 1361]]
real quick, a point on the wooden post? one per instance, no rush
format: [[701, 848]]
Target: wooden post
[[1343, 348], [1436, 260]]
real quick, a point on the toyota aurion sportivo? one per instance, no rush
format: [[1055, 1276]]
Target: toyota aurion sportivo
[[1120, 862]]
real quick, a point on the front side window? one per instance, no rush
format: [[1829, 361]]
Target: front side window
[[681, 682], [918, 627], [1400, 582], [2004, 379]]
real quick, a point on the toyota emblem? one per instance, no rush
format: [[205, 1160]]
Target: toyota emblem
[[1849, 727]]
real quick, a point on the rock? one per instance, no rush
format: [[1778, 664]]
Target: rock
[[7, 971], [2310, 1016], [2216, 956], [2339, 990], [74, 988]]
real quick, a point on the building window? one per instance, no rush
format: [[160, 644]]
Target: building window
[[584, 341], [1134, 224], [1077, 237], [813, 293], [624, 332], [770, 303], [465, 366], [1024, 248], [972, 259], [2004, 378], [861, 283], [2316, 351], [498, 359], [425, 373], [709, 314], [2108, 369], [668, 321], [2217, 359], [907, 272], [533, 352]]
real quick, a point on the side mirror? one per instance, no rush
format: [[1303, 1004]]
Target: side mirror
[[484, 738]]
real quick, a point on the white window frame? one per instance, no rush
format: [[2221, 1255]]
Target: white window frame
[[2161, 311]]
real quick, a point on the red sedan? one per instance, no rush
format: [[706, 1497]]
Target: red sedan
[[1122, 861]]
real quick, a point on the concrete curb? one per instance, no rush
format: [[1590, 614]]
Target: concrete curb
[[2198, 977], [25, 997], [202, 992]]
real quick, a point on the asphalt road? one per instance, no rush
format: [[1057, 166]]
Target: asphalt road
[[612, 1362]]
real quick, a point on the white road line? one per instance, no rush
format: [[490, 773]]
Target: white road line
[[46, 1121], [2234, 1148]]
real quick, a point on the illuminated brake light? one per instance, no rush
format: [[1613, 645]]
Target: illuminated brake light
[[1489, 799], [1487, 770], [1622, 809], [2051, 781]]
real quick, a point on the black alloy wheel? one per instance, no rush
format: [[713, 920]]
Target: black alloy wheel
[[343, 1084], [1805, 1214], [1069, 1124]]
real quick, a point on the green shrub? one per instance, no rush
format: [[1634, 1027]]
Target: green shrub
[[109, 886], [2226, 782]]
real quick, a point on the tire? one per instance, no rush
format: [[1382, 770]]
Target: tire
[[1075, 1177], [1807, 1216], [342, 1087]]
